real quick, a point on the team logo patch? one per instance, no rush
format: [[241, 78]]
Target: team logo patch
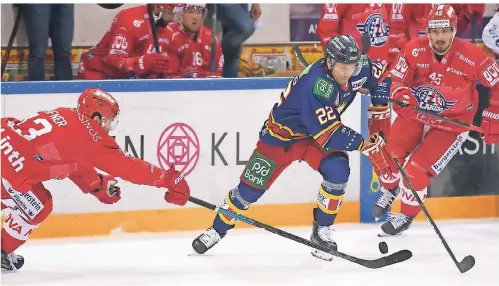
[[376, 28], [431, 99], [323, 88]]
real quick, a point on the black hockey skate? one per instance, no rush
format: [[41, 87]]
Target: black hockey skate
[[206, 240], [323, 235], [11, 262], [385, 202], [396, 224]]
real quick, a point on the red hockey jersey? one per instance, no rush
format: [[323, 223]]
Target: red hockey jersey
[[190, 55], [62, 142], [448, 86], [357, 20], [117, 53]]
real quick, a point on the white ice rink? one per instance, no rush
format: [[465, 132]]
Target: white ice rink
[[257, 257]]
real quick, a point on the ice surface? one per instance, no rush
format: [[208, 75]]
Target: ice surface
[[257, 257]]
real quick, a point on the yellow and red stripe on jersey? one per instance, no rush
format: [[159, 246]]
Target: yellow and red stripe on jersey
[[280, 131], [323, 137]]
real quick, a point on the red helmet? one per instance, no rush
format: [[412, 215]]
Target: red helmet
[[442, 16], [96, 101], [179, 8]]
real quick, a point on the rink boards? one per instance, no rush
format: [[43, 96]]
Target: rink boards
[[208, 128]]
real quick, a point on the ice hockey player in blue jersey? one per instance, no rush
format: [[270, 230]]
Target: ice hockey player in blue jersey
[[306, 125]]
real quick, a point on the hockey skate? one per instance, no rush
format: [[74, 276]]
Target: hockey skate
[[396, 224], [206, 240], [12, 262], [385, 202], [323, 235]]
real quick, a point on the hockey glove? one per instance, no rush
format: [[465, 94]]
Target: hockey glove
[[108, 192], [404, 94], [378, 119], [384, 165], [151, 64], [178, 189], [490, 125]]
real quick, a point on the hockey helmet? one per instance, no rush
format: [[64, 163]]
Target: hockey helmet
[[442, 16], [96, 102], [343, 49], [180, 8]]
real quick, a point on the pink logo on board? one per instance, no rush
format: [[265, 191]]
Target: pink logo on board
[[178, 145]]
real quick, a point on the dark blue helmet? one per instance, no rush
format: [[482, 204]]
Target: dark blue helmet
[[342, 49]]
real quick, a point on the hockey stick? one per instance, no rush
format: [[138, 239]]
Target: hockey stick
[[469, 261], [213, 38], [153, 28], [396, 257], [11, 39], [439, 116], [432, 113], [299, 56]]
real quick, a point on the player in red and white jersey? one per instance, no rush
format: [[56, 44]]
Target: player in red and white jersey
[[357, 20], [189, 44], [403, 26], [127, 48], [68, 143], [437, 73]]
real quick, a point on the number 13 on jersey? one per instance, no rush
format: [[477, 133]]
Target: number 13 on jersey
[[37, 127]]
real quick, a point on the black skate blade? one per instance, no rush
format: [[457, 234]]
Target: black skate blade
[[397, 257], [467, 263]]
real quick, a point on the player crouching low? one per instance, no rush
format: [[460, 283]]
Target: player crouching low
[[437, 73], [306, 125], [68, 143]]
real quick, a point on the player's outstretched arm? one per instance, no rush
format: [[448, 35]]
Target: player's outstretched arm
[[107, 156]]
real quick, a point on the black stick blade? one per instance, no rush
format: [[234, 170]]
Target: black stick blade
[[397, 257], [467, 263]]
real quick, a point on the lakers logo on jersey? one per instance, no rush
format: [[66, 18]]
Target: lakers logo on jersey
[[431, 99], [376, 28]]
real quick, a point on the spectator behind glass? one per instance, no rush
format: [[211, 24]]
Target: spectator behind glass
[[188, 44], [54, 21], [127, 49], [237, 26]]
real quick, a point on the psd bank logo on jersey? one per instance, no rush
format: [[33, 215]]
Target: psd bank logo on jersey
[[178, 145], [431, 99], [376, 28]]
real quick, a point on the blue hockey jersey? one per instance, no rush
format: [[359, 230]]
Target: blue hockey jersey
[[312, 103]]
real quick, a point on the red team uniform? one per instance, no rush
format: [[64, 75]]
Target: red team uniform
[[190, 51], [357, 20], [443, 83], [126, 50], [403, 19], [67, 143]]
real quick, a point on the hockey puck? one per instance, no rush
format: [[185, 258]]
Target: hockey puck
[[383, 247]]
